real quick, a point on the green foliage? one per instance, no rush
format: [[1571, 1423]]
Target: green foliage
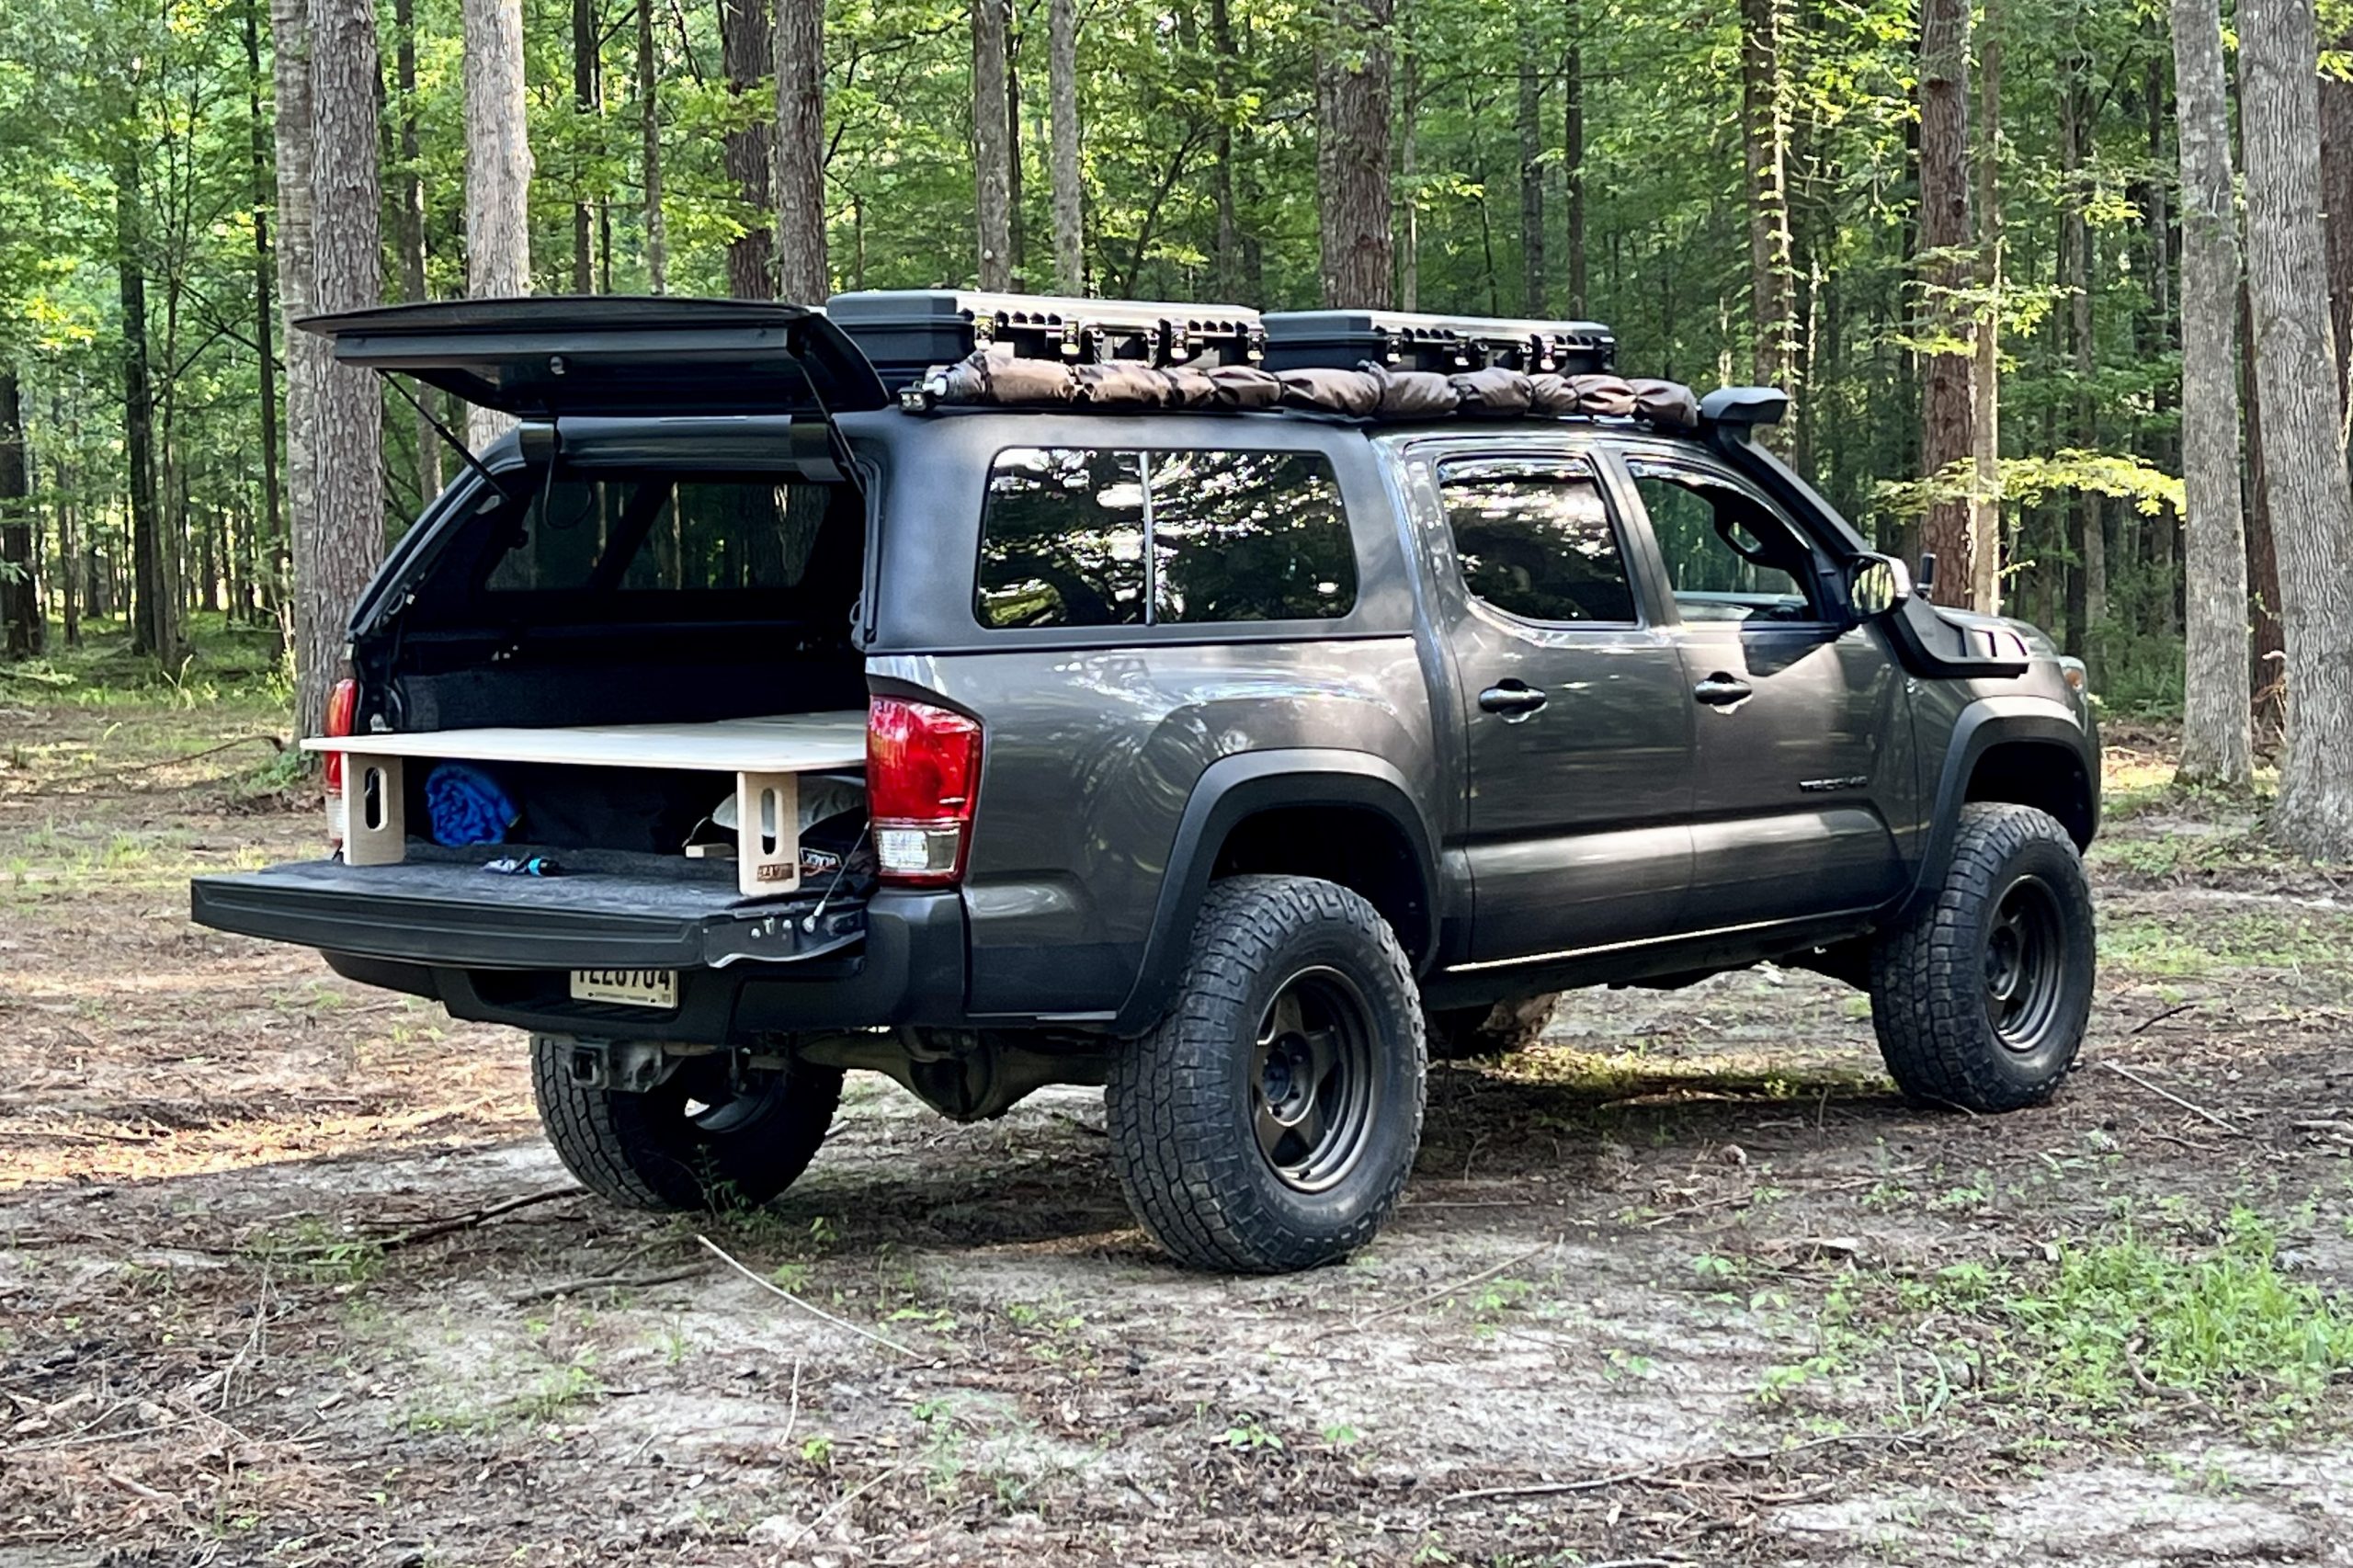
[[2102, 1324], [157, 105]]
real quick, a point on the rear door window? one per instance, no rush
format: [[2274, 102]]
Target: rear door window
[[1097, 536], [1534, 540]]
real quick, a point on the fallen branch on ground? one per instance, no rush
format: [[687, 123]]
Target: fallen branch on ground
[[776, 1289], [2154, 1020], [1442, 1292], [276, 744], [2127, 1073], [438, 1228], [611, 1282], [1653, 1472]]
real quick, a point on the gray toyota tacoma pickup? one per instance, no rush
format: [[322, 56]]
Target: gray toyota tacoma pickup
[[1234, 711]]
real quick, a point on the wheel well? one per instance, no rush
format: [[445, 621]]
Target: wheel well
[[1355, 846], [2036, 773]]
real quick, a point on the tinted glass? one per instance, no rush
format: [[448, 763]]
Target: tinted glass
[[1061, 539], [1248, 535], [1534, 540], [589, 531], [1728, 557]]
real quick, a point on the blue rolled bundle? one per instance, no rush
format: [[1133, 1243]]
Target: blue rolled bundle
[[467, 806]]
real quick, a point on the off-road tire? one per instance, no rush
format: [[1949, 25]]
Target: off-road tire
[[644, 1150], [1934, 978], [1185, 1105], [1460, 1034]]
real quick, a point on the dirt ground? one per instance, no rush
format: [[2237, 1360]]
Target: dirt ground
[[287, 1276]]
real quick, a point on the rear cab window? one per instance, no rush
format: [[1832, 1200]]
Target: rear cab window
[[1093, 536], [1533, 539]]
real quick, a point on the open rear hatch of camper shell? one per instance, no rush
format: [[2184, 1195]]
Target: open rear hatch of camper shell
[[554, 357]]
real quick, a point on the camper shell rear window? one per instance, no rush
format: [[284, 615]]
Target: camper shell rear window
[[565, 544]]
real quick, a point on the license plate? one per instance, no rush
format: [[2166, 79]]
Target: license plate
[[627, 987]]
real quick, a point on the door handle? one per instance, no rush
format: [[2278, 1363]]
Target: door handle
[[1512, 699], [1720, 690]]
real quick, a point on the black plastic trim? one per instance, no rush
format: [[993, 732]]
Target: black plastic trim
[[1234, 788], [1982, 725]]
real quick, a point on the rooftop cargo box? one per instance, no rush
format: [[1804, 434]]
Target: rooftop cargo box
[[1341, 340], [905, 332]]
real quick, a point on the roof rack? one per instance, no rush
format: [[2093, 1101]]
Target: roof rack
[[905, 332], [1341, 340]]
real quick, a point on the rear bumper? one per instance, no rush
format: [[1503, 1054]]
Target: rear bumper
[[500, 951]]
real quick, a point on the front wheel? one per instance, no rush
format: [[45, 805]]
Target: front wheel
[[705, 1137], [1980, 999], [1269, 1121]]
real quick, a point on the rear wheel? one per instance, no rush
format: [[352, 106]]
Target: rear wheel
[[703, 1138], [1980, 999], [1270, 1120]]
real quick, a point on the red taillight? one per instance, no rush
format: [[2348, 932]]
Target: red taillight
[[343, 710], [923, 767]]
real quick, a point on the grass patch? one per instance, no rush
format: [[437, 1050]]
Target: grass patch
[[1719, 1074], [2190, 856], [2285, 939], [2104, 1325]]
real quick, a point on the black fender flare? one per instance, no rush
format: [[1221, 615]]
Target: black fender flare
[[1983, 724], [1232, 789]]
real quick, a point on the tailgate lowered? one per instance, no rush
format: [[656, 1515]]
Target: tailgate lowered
[[458, 916]]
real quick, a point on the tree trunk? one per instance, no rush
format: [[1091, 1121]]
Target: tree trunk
[[290, 31], [649, 113], [747, 54], [498, 170], [1986, 368], [1409, 178], [992, 149], [2337, 208], [1765, 136], [2287, 284], [1017, 216], [1225, 257], [2075, 282], [803, 273], [20, 607], [1572, 166], [155, 609], [1352, 156], [1069, 194], [408, 222], [1532, 180], [262, 530], [584, 104], [1945, 436], [345, 541], [2215, 741]]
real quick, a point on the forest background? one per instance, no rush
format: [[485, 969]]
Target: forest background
[[1955, 233]]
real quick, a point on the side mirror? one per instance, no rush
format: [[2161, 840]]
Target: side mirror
[[1876, 584]]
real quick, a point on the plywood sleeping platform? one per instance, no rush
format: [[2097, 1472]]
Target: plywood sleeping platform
[[765, 754]]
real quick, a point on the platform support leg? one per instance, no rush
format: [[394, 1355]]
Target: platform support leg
[[767, 834], [375, 822]]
